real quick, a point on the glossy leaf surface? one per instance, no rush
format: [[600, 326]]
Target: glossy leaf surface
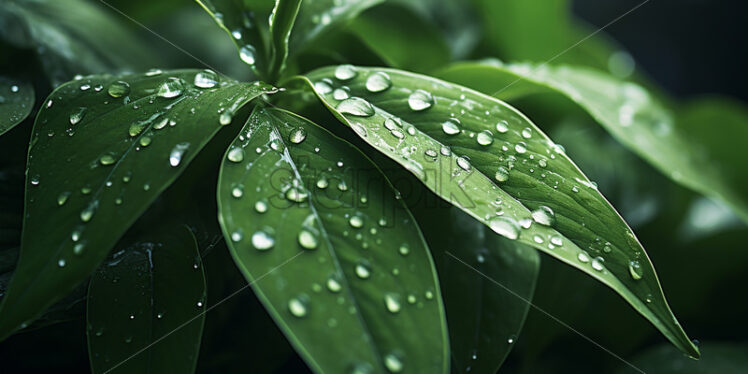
[[146, 306], [487, 281], [103, 148], [318, 17], [485, 157], [16, 102], [690, 148], [337, 260]]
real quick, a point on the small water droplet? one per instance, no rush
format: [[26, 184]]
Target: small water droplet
[[106, 160], [225, 118], [236, 154], [583, 257], [393, 363], [247, 54], [322, 183], [262, 240], [323, 86], [404, 250], [363, 270], [420, 100], [237, 191], [392, 302], [484, 138], [451, 126], [62, 198], [502, 174], [206, 79], [635, 270], [333, 284], [543, 215], [597, 263], [502, 126], [118, 89], [345, 72], [77, 115], [341, 93], [175, 157], [463, 163], [308, 239], [356, 221], [172, 88], [261, 206], [87, 214], [297, 135], [521, 147], [527, 133], [378, 82], [298, 306], [61, 262]]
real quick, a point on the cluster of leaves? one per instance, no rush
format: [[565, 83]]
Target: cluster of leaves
[[357, 279]]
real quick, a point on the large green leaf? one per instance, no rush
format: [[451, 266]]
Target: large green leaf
[[487, 282], [320, 16], [483, 156], [281, 23], [691, 149], [337, 260], [72, 37], [146, 306], [245, 29], [102, 149], [382, 29], [16, 102]]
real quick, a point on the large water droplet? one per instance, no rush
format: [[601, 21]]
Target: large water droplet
[[236, 154], [420, 100], [345, 72], [298, 306], [378, 82], [106, 160], [333, 284], [247, 54], [261, 206], [118, 89], [173, 87], [543, 215], [484, 138], [597, 263], [393, 363], [520, 147], [175, 157], [206, 79], [463, 163], [308, 239], [392, 302], [583, 257], [323, 86], [363, 270], [297, 135], [451, 126], [77, 115], [341, 93], [505, 227], [262, 240], [356, 106], [502, 174]]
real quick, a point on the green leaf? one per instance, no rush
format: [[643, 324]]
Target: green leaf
[[685, 148], [244, 28], [320, 16], [16, 102], [337, 260], [72, 37], [382, 29], [103, 148], [722, 358], [487, 282], [146, 306], [485, 157], [281, 23]]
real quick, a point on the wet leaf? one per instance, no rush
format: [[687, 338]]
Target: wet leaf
[[485, 157], [72, 37], [689, 146], [146, 306], [103, 148], [337, 260], [16, 102]]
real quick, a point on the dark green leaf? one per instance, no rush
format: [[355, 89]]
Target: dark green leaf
[[281, 23], [337, 260], [456, 19], [691, 148], [719, 358], [72, 37], [146, 306], [382, 29], [16, 102], [487, 282], [320, 16], [103, 148], [237, 18], [485, 157]]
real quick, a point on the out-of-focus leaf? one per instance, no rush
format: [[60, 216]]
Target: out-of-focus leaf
[[146, 306], [245, 29], [319, 17], [487, 282], [103, 148], [693, 148], [337, 260], [488, 159], [72, 37], [401, 38], [719, 358], [456, 19], [281, 22], [16, 102]]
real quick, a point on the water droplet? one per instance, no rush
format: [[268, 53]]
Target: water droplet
[[333, 285], [521, 147], [298, 306], [502, 126], [393, 363], [543, 215], [35, 180], [175, 157], [61, 262], [356, 106], [356, 221], [341, 93], [225, 118], [404, 250], [557, 241], [363, 270], [237, 191], [206, 79], [106, 160], [308, 239], [378, 82], [322, 183], [87, 214], [323, 86], [392, 302], [597, 263], [261, 206], [145, 141], [345, 72], [537, 239], [451, 126], [635, 270], [153, 72], [484, 138], [583, 257], [173, 87], [78, 249], [118, 89], [527, 133], [420, 100], [262, 240], [236, 154], [505, 227], [297, 194], [77, 115], [247, 54], [502, 174], [297, 135], [62, 198]]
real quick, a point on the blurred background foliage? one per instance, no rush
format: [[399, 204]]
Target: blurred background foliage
[[687, 51]]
